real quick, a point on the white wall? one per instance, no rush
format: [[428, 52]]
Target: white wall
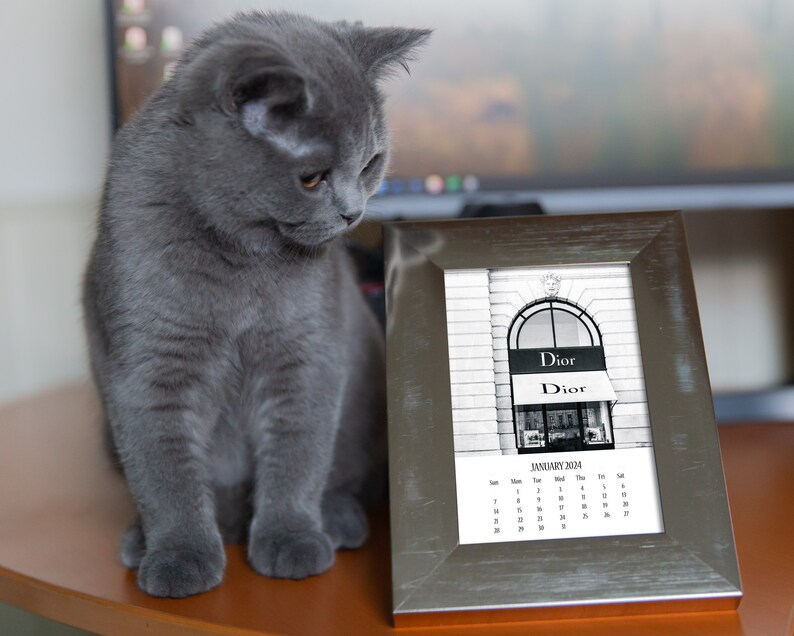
[[743, 266], [54, 135]]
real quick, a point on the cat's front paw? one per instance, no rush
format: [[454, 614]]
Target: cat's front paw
[[291, 555], [181, 572], [133, 546], [345, 521]]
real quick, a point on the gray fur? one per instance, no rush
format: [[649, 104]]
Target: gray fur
[[240, 371]]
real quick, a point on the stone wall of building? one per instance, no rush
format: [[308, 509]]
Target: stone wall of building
[[471, 363]]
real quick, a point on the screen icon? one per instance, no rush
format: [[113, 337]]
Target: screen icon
[[454, 183], [416, 186], [470, 183], [434, 184], [172, 40], [133, 7], [135, 39]]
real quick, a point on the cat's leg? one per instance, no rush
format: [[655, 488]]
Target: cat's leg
[[133, 545], [344, 520], [358, 477], [230, 469], [292, 434], [233, 511], [159, 439]]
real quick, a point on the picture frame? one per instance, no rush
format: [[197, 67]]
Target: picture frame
[[682, 560]]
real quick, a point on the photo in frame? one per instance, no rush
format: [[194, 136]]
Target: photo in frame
[[553, 450], [552, 370]]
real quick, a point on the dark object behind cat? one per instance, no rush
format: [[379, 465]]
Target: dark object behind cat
[[240, 372]]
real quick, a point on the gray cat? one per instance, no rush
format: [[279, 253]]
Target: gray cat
[[240, 371]]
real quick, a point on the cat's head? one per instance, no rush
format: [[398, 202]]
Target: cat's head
[[282, 124]]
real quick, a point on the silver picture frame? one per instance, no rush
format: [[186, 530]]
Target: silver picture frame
[[690, 566]]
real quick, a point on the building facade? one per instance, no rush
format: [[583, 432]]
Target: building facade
[[545, 360]]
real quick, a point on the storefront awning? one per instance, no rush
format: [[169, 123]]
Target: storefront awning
[[554, 388]]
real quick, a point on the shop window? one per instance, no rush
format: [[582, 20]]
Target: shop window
[[556, 356]]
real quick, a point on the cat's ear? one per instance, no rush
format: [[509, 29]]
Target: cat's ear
[[231, 75], [382, 49]]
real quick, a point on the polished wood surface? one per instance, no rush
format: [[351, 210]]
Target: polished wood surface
[[63, 509]]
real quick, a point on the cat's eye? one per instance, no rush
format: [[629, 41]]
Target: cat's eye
[[313, 180]]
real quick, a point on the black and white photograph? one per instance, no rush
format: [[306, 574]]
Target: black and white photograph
[[545, 366]]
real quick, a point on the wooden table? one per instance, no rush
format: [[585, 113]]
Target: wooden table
[[62, 511]]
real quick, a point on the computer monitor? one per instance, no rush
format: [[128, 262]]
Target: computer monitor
[[578, 106]]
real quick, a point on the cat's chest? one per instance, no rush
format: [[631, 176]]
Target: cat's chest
[[273, 302], [264, 300]]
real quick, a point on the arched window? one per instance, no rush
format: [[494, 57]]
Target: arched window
[[553, 323], [560, 388]]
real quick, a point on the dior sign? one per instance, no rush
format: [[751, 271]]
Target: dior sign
[[560, 359]]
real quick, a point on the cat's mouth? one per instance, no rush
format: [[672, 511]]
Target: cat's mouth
[[273, 224], [302, 233], [289, 226], [264, 224], [309, 234]]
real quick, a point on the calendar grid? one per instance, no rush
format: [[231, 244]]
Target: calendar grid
[[613, 493]]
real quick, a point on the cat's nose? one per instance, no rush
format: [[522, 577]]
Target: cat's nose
[[351, 217]]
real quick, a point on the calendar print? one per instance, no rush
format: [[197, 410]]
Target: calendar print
[[552, 437], [564, 495]]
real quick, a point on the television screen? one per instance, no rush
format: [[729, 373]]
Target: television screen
[[581, 105]]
